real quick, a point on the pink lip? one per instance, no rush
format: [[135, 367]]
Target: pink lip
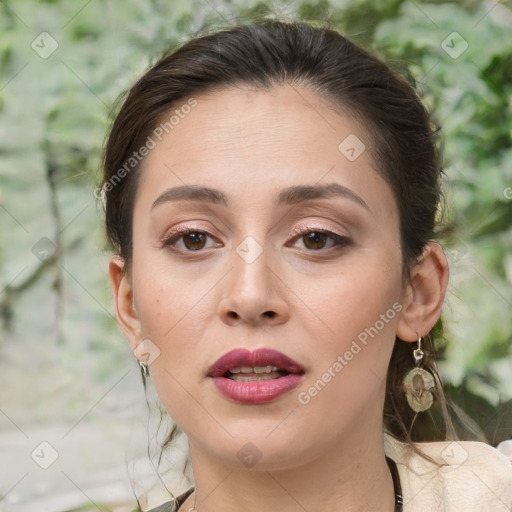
[[255, 392]]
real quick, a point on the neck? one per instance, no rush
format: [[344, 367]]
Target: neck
[[351, 476]]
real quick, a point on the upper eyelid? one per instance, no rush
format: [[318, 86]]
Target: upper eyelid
[[297, 230], [309, 227]]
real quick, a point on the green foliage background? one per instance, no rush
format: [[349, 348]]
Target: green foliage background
[[57, 327]]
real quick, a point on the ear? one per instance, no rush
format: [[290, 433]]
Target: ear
[[423, 296], [122, 294]]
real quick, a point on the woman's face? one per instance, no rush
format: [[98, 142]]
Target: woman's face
[[256, 272]]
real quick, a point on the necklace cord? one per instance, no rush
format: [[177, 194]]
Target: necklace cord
[[396, 484]]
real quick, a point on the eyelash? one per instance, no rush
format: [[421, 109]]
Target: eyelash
[[339, 241]]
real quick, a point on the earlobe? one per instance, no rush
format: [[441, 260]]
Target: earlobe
[[424, 294], [122, 295]]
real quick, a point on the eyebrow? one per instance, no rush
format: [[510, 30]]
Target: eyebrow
[[288, 196]]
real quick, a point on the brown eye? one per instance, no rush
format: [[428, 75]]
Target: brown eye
[[318, 239], [187, 240], [315, 240], [194, 240]]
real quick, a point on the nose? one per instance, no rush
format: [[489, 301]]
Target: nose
[[253, 294]]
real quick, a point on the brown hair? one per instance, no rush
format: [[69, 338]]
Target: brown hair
[[270, 53]]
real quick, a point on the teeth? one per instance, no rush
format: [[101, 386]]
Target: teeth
[[254, 369], [247, 378], [265, 369]]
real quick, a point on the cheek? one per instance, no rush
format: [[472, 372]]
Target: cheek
[[362, 297], [352, 352], [173, 315], [172, 309], [353, 319]]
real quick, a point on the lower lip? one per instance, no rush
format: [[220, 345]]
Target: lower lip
[[256, 391]]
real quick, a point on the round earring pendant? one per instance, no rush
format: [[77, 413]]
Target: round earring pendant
[[418, 384]]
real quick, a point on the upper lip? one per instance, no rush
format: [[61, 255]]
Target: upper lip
[[261, 357]]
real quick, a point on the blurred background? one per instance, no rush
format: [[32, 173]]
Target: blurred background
[[74, 422]]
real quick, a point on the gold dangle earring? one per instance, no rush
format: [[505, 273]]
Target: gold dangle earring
[[419, 383]]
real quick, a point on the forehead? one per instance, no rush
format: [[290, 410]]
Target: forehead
[[235, 122], [256, 141]]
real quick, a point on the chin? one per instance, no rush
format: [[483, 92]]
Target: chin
[[256, 449]]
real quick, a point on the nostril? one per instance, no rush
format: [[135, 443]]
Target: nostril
[[270, 314]]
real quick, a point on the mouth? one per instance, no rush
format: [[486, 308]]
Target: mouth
[[255, 377], [242, 365]]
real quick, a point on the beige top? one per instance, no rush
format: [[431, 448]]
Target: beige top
[[472, 476]]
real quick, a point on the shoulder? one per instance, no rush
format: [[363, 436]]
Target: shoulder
[[462, 475], [174, 505]]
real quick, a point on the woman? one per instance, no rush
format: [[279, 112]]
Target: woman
[[271, 192]]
